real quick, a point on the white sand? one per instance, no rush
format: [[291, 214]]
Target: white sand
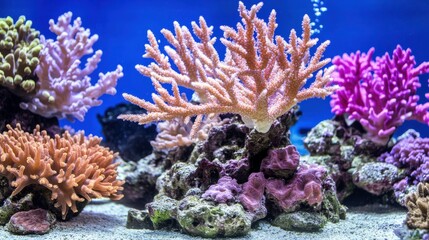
[[106, 221]]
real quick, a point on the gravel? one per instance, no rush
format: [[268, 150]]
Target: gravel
[[106, 220]]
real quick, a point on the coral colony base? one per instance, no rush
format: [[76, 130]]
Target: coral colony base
[[223, 160]]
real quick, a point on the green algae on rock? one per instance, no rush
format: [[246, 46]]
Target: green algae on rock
[[207, 219], [300, 221]]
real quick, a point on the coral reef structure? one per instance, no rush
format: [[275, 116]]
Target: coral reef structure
[[74, 169], [224, 175], [243, 169]]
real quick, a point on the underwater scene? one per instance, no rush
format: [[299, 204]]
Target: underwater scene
[[286, 119]]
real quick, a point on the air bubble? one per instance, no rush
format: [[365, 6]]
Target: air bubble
[[318, 10]]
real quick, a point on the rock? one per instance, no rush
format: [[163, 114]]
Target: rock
[[139, 219], [13, 205], [323, 138], [140, 179], [131, 140], [177, 181], [36, 221], [11, 113], [300, 221], [331, 207], [162, 211], [207, 219], [376, 177]]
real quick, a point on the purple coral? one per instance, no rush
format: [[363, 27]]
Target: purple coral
[[281, 162], [304, 187], [65, 90], [224, 191], [253, 192], [411, 154], [380, 94], [35, 221]]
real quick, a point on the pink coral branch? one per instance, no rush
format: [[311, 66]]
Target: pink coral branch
[[65, 90], [380, 94]]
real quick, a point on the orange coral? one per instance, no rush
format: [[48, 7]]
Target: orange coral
[[74, 168]]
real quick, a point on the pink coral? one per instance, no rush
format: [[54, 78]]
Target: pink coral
[[304, 187], [64, 89], [380, 94]]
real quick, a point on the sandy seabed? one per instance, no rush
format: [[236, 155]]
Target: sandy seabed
[[106, 220]]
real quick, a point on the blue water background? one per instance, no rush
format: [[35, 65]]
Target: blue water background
[[122, 25]]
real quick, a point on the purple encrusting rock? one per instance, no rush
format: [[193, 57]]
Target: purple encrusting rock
[[281, 162], [224, 191], [253, 192], [35, 221], [304, 187]]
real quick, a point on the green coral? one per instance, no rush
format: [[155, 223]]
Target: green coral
[[19, 54]]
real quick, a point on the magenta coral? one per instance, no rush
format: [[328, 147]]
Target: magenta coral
[[224, 191], [380, 94], [64, 89], [304, 187], [253, 192], [281, 162]]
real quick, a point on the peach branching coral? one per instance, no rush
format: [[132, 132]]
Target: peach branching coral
[[74, 168], [178, 133], [261, 77]]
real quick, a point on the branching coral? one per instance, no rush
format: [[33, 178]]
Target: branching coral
[[74, 168], [380, 94], [261, 77], [19, 52], [418, 207], [64, 89], [177, 133], [411, 155]]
